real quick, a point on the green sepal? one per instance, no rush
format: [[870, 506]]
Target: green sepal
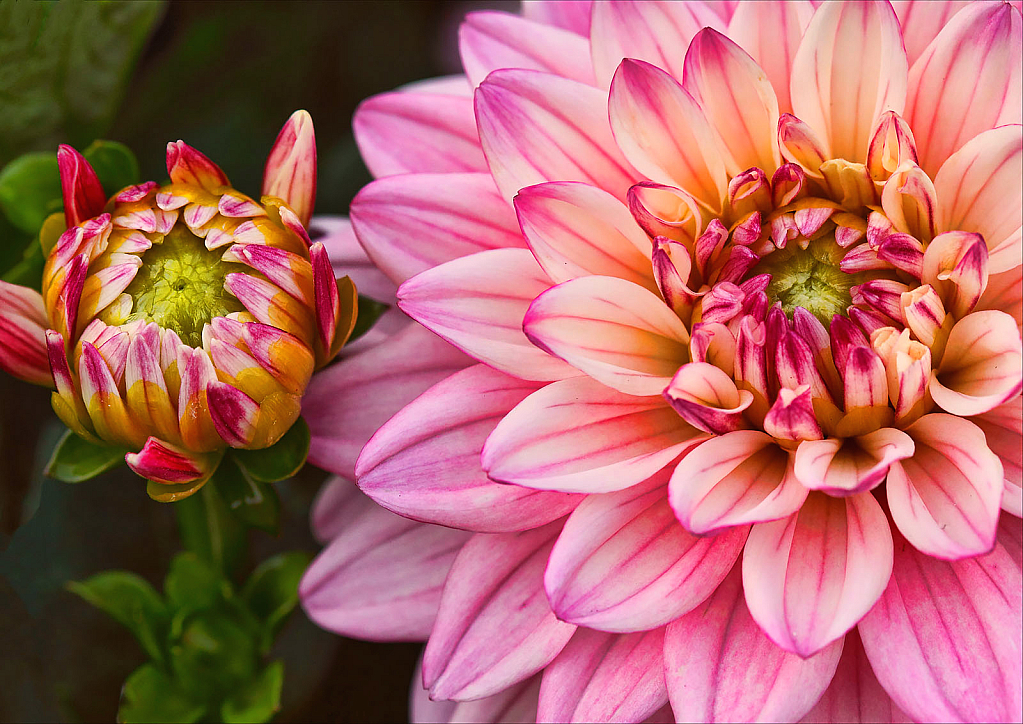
[[75, 460], [254, 502], [192, 584], [132, 602], [208, 529], [259, 700], [213, 655], [272, 590], [29, 188], [149, 695], [279, 461], [370, 310], [114, 163]]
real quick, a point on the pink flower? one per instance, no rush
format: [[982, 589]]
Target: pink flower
[[742, 286]]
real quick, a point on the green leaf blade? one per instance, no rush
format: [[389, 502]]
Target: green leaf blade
[[279, 461], [75, 460], [132, 602], [258, 701], [149, 695]]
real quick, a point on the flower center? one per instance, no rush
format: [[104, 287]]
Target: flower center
[[180, 286], [809, 278]]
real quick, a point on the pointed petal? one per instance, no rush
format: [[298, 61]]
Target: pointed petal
[[922, 20], [945, 499], [271, 305], [517, 703], [944, 639], [81, 189], [169, 464], [707, 398], [197, 373], [23, 334], [106, 409], [325, 293], [185, 165], [910, 202], [338, 504], [290, 171], [720, 667], [624, 563], [478, 303], [424, 463], [840, 99], [494, 627], [347, 256], [850, 465]]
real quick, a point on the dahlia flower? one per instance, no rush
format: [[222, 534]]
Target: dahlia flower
[[739, 431], [177, 320]]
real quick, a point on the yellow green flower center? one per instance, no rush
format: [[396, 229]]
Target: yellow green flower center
[[809, 278], [180, 285]]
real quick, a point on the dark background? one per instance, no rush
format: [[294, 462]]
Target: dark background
[[223, 77]]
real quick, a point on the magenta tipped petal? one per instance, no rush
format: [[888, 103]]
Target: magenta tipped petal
[[83, 194], [290, 172]]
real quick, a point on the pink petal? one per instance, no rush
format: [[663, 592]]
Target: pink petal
[[381, 577], [80, 187], [413, 222], [613, 330], [734, 479], [910, 202], [720, 667], [338, 504], [623, 562], [424, 463], [478, 302], [737, 99], [810, 577], [1005, 293], [944, 639], [574, 229], [1002, 427], [517, 703], [489, 40], [967, 81], [945, 499], [922, 20], [290, 171], [707, 398], [838, 97], [346, 403], [770, 32], [664, 134], [169, 464], [348, 257], [234, 413], [494, 628], [605, 677], [578, 435], [186, 165], [972, 186], [405, 132], [574, 16], [23, 326], [850, 465], [537, 127], [655, 32]]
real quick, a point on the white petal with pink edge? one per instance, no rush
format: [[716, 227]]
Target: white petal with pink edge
[[538, 127], [478, 302], [737, 478], [839, 97], [945, 499], [605, 677], [381, 577], [720, 667], [623, 562], [613, 330], [850, 465], [1002, 427], [810, 577], [578, 435], [969, 79], [494, 627], [424, 463], [945, 638]]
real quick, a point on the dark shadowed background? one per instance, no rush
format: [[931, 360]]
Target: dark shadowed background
[[223, 77]]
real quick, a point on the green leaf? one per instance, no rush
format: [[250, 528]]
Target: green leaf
[[279, 461], [75, 460], [132, 602], [114, 163], [149, 695], [29, 185], [14, 244], [192, 584], [64, 68], [272, 590], [259, 700], [28, 271], [209, 529], [254, 502], [370, 310], [214, 655]]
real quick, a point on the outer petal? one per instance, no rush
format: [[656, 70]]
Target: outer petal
[[413, 222], [537, 127], [720, 667], [944, 639], [574, 16], [290, 171], [615, 331], [81, 189], [623, 563], [338, 504], [381, 577], [168, 464], [922, 20], [23, 326], [1002, 427], [734, 479], [838, 97], [770, 32], [186, 165], [494, 627], [348, 257], [974, 187], [810, 577], [945, 499], [346, 403], [515, 704], [967, 81], [601, 677], [664, 134], [424, 463], [490, 40], [478, 303], [407, 131]]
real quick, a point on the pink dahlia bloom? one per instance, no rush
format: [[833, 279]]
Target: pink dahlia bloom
[[729, 419]]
